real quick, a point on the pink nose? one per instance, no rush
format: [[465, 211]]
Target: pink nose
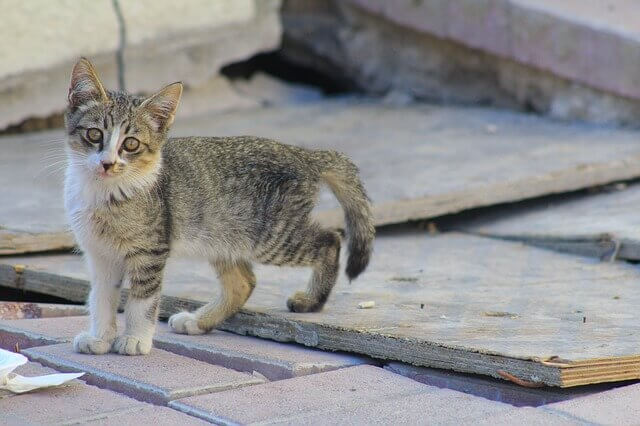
[[106, 165]]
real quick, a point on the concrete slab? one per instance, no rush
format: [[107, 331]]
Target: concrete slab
[[364, 394], [76, 402], [157, 378], [273, 360], [615, 407]]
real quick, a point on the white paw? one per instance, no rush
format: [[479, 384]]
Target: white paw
[[185, 323], [131, 345], [85, 343]]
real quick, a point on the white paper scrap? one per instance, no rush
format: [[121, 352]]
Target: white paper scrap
[[10, 381]]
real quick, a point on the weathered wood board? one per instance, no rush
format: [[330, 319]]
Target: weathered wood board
[[604, 224], [31, 207], [417, 161], [450, 301]]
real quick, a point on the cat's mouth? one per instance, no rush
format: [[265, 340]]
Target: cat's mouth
[[106, 174]]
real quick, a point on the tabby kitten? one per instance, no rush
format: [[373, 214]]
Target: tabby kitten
[[132, 196]]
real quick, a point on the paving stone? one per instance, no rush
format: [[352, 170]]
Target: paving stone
[[361, 394], [27, 333], [147, 415], [493, 389], [620, 406], [157, 378], [77, 402], [527, 416], [273, 360]]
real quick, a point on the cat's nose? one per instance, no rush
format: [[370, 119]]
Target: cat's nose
[[106, 165]]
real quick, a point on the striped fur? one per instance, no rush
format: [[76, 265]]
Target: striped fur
[[231, 201]]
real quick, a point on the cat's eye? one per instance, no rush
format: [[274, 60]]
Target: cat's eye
[[130, 144], [94, 135]]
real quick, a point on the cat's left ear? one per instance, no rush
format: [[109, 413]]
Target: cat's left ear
[[161, 107], [85, 85]]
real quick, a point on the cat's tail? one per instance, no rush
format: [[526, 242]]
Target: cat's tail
[[341, 175]]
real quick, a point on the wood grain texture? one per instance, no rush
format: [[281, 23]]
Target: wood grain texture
[[449, 301], [417, 161], [20, 242], [604, 224]]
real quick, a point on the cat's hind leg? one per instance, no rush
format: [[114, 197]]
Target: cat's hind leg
[[237, 281], [321, 250]]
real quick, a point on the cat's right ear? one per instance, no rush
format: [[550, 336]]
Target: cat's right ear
[[85, 85]]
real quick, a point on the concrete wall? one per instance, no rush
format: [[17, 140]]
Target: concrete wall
[[570, 59], [165, 41]]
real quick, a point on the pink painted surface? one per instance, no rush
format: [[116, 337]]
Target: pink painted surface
[[354, 395], [79, 403], [592, 42], [157, 378]]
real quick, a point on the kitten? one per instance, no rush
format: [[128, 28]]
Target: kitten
[[132, 196]]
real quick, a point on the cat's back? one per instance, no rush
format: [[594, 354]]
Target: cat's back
[[232, 155]]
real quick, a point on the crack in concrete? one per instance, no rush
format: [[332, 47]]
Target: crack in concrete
[[122, 35]]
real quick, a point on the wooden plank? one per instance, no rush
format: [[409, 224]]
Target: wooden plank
[[417, 161], [32, 215], [450, 301], [605, 224], [21, 242]]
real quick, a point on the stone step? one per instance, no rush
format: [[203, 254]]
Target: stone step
[[157, 49], [76, 402], [596, 43], [158, 377], [273, 360], [568, 59]]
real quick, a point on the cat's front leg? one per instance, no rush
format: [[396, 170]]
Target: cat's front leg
[[141, 310], [106, 279]]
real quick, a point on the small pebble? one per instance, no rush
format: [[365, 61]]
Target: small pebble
[[366, 305]]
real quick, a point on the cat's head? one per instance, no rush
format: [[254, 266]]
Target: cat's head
[[113, 135]]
